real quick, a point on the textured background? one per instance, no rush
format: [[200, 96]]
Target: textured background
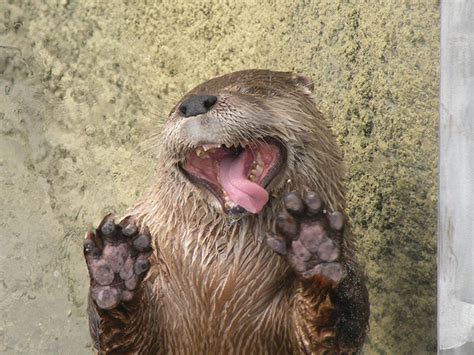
[[88, 82]]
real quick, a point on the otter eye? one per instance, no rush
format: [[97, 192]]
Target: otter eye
[[241, 89], [245, 90]]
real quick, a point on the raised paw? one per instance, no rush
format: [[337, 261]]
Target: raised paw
[[117, 257], [309, 237]]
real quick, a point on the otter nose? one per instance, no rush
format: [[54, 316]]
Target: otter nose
[[196, 105]]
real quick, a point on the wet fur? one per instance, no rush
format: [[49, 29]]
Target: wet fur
[[215, 287]]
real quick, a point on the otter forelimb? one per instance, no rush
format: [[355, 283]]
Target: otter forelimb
[[117, 257], [331, 302]]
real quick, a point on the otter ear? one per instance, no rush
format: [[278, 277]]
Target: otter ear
[[303, 81]]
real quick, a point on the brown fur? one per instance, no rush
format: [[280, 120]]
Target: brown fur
[[215, 287]]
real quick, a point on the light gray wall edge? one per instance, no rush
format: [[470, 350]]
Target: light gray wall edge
[[456, 180]]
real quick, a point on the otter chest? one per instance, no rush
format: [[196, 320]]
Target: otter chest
[[224, 299]]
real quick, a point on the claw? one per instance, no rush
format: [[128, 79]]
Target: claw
[[293, 203], [336, 220], [314, 203], [108, 227], [90, 249], [130, 230]]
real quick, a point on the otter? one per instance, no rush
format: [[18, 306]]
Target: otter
[[242, 244]]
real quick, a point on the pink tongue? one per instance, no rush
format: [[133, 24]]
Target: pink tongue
[[233, 177]]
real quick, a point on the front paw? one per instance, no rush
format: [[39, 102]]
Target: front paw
[[309, 238], [117, 257]]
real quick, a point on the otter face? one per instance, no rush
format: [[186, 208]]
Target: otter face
[[229, 137]]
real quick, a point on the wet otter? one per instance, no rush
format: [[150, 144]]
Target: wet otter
[[196, 267]]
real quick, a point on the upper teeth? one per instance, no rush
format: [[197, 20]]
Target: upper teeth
[[207, 147], [201, 153]]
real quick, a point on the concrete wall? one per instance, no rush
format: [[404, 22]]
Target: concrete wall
[[456, 248], [91, 81]]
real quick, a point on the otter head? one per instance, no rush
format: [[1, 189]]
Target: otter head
[[236, 139]]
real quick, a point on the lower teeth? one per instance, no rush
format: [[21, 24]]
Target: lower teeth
[[256, 171]]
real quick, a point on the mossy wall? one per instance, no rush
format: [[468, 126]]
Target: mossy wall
[[83, 84]]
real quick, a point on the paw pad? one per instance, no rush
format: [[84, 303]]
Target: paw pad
[[117, 257], [309, 237]]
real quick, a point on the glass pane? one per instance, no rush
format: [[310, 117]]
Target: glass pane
[[87, 85]]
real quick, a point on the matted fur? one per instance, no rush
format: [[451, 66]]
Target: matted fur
[[215, 286]]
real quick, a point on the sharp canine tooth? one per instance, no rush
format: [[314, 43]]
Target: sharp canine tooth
[[201, 153]]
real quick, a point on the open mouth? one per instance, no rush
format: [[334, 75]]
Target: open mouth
[[236, 175]]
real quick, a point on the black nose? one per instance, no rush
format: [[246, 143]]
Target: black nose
[[196, 105]]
